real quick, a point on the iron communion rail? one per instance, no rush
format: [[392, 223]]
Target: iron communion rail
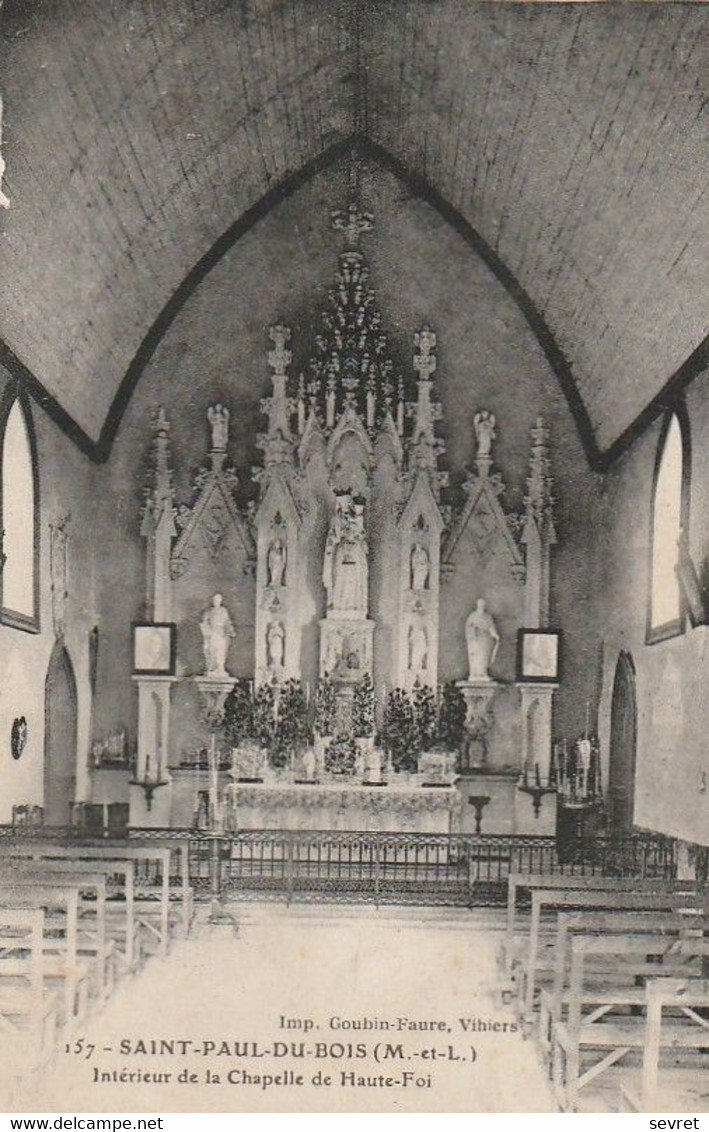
[[464, 870]]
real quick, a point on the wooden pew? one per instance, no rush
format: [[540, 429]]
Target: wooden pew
[[151, 893], [180, 893], [601, 899], [27, 1015], [682, 1089], [62, 967], [554, 998], [92, 938], [521, 882], [604, 1033]]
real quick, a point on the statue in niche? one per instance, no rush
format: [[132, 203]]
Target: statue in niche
[[217, 631], [333, 653], [420, 567], [275, 644], [218, 418], [483, 641], [485, 431], [418, 648], [345, 562], [276, 562]]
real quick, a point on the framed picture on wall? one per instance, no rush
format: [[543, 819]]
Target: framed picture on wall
[[538, 656], [154, 648]]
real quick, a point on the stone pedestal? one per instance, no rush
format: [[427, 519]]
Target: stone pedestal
[[346, 648], [536, 709], [478, 696], [151, 786]]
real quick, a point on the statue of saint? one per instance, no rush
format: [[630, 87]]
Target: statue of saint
[[484, 423], [276, 561], [420, 567], [483, 641], [418, 648], [218, 418], [345, 562], [217, 631], [275, 644]]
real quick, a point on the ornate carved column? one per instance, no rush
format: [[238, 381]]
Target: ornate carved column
[[420, 528], [539, 534], [151, 788], [278, 522]]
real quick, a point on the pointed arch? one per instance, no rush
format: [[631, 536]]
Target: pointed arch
[[19, 515], [60, 737], [669, 526], [623, 745]]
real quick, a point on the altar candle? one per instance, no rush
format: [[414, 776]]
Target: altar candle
[[537, 776], [147, 767]]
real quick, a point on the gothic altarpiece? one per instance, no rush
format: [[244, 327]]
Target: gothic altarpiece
[[337, 574]]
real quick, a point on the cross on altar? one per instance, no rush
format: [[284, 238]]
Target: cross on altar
[[353, 223]]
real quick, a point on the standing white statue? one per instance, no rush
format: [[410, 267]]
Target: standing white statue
[[217, 631], [420, 567], [485, 431], [218, 418], [418, 648], [275, 644], [276, 563], [483, 641], [345, 562]]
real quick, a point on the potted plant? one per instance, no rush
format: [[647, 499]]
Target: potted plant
[[363, 719], [239, 728], [324, 723], [398, 732], [264, 723], [451, 718], [291, 732]]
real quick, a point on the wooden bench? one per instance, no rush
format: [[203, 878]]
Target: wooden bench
[[554, 997], [93, 940], [554, 900], [608, 1033], [528, 882], [63, 970], [27, 1015], [677, 1089], [151, 879], [181, 896]]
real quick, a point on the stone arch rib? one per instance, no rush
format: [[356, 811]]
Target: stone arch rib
[[99, 451]]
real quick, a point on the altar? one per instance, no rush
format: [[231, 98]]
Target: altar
[[395, 807], [341, 634]]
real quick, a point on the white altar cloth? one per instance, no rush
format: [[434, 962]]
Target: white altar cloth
[[343, 806]]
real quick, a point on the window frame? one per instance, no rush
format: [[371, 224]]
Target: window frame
[[27, 623], [654, 634]]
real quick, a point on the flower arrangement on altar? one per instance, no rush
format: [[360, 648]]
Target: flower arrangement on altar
[[420, 720], [273, 717]]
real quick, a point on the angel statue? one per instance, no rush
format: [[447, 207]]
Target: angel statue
[[218, 418], [485, 424]]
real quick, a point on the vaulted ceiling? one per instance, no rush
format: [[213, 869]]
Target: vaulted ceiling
[[571, 140]]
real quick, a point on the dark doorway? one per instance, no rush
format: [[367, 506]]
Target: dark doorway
[[60, 738], [624, 722]]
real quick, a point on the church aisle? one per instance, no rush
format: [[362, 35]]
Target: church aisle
[[331, 966]]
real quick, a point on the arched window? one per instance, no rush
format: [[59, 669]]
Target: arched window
[[20, 520], [670, 506]]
